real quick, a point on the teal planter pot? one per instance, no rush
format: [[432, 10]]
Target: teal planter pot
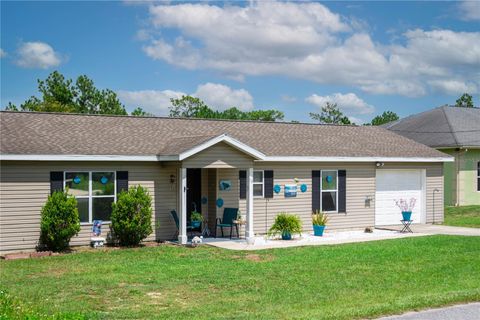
[[286, 236], [196, 224], [318, 230], [407, 215]]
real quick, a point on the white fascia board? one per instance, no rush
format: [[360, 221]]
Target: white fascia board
[[222, 138], [355, 159], [77, 157]]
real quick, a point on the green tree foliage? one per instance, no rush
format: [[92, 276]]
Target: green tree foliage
[[330, 114], [63, 95], [59, 221], [132, 216], [139, 112], [385, 117], [192, 107], [466, 100]]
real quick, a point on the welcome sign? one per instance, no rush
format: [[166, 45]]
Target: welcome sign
[[290, 190]]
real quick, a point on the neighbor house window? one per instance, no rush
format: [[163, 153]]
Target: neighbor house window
[[258, 183], [95, 192], [478, 176], [329, 196]]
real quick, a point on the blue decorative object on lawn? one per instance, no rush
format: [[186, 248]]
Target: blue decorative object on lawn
[[303, 188], [77, 180], [407, 215], [329, 179], [103, 180], [277, 188], [219, 202], [204, 200]]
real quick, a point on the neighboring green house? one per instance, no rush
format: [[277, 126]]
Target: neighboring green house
[[455, 131]]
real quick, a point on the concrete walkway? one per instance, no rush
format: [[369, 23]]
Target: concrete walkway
[[469, 311], [439, 229], [340, 237]]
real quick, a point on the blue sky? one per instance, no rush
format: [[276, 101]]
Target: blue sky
[[294, 56]]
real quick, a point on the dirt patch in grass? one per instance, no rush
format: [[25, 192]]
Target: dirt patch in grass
[[258, 258]]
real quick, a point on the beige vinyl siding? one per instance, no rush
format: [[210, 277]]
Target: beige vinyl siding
[[25, 186], [220, 155], [434, 176]]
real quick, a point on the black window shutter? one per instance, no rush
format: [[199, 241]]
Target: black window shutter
[[122, 181], [268, 183], [242, 176], [56, 181], [316, 185], [342, 191]]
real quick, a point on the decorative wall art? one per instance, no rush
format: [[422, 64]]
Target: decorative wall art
[[277, 188], [290, 190], [219, 202], [303, 188], [204, 200], [225, 185]]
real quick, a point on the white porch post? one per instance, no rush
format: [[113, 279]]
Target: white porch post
[[182, 215], [249, 228]]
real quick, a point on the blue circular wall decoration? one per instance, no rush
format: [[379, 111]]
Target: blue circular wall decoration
[[77, 180], [103, 180], [219, 202], [303, 188], [277, 188], [204, 200], [329, 179]]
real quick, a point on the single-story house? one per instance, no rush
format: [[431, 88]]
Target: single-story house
[[354, 173], [455, 131]]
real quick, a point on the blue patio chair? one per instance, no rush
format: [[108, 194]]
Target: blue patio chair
[[229, 215], [177, 223]]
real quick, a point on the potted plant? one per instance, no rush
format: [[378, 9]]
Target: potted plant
[[196, 219], [286, 224], [319, 221], [406, 207]]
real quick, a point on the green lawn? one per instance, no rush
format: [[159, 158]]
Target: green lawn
[[168, 282], [467, 216]]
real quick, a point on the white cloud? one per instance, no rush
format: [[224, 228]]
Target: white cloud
[[308, 41], [454, 87], [470, 10], [349, 103], [217, 96], [221, 97], [152, 101], [2, 53], [287, 98], [37, 55]]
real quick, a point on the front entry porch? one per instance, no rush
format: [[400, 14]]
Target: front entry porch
[[213, 192]]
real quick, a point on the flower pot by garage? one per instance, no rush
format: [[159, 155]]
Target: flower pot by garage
[[407, 215], [196, 224], [318, 230], [286, 235]]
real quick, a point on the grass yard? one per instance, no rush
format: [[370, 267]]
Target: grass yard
[[467, 216], [168, 282]]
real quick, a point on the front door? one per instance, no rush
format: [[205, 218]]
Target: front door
[[194, 191]]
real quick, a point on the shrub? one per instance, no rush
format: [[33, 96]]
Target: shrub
[[196, 216], [59, 222], [286, 223], [319, 218], [132, 216]]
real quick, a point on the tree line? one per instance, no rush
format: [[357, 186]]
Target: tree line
[[58, 94]]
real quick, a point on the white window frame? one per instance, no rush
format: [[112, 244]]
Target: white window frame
[[258, 183], [328, 190], [90, 196]]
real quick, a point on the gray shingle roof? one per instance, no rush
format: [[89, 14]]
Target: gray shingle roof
[[71, 134], [441, 127]]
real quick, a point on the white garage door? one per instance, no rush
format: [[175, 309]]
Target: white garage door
[[398, 184]]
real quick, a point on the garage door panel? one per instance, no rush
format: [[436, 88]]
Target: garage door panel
[[394, 185]]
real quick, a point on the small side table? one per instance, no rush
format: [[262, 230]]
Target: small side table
[[239, 223], [406, 226]]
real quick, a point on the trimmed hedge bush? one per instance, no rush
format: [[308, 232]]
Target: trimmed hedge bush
[[59, 222], [132, 216]]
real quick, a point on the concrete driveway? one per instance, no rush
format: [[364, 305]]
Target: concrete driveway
[[439, 229], [469, 311]]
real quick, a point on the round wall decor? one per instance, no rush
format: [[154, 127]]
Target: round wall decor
[[77, 180], [219, 202], [329, 179], [204, 200], [303, 188], [277, 188], [103, 180]]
